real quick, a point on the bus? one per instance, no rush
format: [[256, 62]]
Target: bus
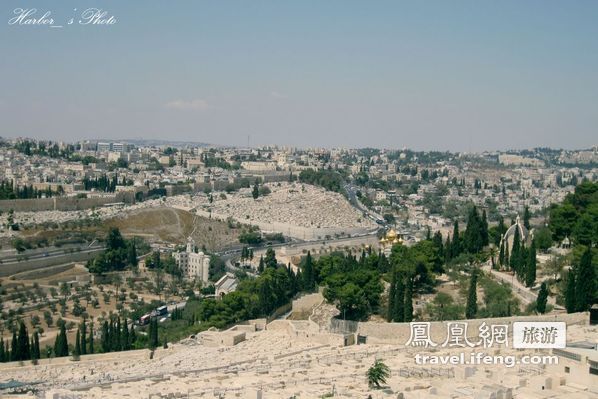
[[162, 310]]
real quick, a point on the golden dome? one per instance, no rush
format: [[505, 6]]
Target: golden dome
[[391, 235]]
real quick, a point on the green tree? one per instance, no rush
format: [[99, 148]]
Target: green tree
[[91, 348], [309, 279], [526, 218], [399, 307], [408, 313], [61, 347], [377, 374], [77, 351], [270, 259], [471, 309], [585, 289], [570, 296], [83, 328], [456, 243], [22, 351], [392, 297], [256, 190], [530, 270], [542, 299]]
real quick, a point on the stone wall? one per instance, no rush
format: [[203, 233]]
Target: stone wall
[[398, 333], [8, 269], [306, 303], [63, 203]]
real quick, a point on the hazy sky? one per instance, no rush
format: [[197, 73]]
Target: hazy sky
[[457, 75]]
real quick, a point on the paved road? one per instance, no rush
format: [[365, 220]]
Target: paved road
[[526, 295]]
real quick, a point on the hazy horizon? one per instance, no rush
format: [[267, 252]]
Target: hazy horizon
[[458, 76]]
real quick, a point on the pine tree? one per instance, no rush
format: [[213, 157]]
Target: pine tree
[[542, 299], [570, 297], [530, 269], [408, 316], [585, 289], [471, 308]]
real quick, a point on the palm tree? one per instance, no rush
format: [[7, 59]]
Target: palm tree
[[377, 374]]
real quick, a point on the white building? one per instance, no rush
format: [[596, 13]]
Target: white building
[[194, 265]]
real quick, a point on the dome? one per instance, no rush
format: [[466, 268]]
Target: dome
[[391, 235]]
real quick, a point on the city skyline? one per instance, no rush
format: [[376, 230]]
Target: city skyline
[[430, 76]]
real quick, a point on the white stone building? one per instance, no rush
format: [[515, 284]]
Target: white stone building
[[194, 264]]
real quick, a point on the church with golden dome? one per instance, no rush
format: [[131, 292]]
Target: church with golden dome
[[388, 240]]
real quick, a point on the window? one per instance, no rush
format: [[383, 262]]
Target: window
[[567, 370]]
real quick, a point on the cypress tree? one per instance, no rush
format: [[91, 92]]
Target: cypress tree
[[507, 256], [399, 306], [408, 316], [526, 217], [260, 268], [392, 297], [36, 350], [542, 299], [455, 244], [515, 250], [448, 248], [2, 353], [14, 349], [117, 338], [105, 337], [83, 337], [61, 347], [132, 336], [6, 352], [501, 254], [23, 349], [77, 351], [91, 348], [500, 230], [570, 297], [585, 289], [308, 273], [530, 270], [126, 344], [484, 229], [471, 308]]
